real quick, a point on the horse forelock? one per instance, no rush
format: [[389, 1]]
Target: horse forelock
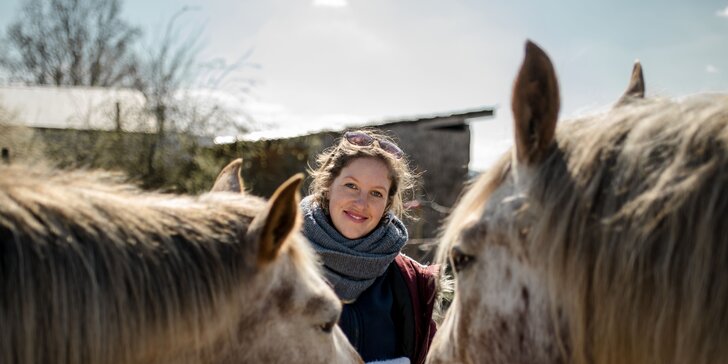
[[470, 206], [126, 265], [631, 229]]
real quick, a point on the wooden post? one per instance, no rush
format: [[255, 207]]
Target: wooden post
[[117, 117]]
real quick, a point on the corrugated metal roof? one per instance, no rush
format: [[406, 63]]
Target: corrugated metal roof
[[92, 108], [304, 128], [439, 120], [85, 108]]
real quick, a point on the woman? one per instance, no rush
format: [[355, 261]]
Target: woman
[[352, 218]]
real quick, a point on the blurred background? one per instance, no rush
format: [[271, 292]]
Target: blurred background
[[169, 91]]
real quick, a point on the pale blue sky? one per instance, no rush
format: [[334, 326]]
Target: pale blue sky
[[339, 59]]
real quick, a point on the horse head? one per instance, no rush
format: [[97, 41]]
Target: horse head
[[597, 241]]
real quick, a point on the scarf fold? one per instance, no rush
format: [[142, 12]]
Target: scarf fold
[[352, 265]]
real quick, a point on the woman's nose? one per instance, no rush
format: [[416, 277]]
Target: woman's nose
[[361, 199]]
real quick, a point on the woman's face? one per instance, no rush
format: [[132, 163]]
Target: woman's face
[[358, 197]]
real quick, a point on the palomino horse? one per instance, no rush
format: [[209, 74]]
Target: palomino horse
[[601, 241], [98, 272]]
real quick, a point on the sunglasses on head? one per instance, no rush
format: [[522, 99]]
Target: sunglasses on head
[[365, 140]]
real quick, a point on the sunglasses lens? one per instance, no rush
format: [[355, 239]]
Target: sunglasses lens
[[359, 139], [391, 149]]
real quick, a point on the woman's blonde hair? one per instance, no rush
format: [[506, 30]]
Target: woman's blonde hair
[[332, 160]]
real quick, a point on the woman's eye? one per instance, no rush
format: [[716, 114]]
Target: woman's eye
[[377, 194], [350, 185]]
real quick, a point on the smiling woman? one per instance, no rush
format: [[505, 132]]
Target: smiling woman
[[353, 221], [358, 197]]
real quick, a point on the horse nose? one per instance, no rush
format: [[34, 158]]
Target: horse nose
[[347, 353]]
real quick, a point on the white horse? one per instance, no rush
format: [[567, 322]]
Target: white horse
[[601, 241]]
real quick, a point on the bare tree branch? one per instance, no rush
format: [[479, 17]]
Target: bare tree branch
[[71, 42]]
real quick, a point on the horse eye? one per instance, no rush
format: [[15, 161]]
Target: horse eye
[[460, 260], [328, 327]]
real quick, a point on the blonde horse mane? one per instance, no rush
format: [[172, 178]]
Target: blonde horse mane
[[634, 230], [92, 270], [629, 219]]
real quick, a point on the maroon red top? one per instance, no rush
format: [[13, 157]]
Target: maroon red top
[[422, 284]]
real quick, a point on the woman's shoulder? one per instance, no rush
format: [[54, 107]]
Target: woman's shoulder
[[414, 269]]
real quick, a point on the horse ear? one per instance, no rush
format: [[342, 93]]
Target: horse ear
[[636, 88], [535, 105], [272, 226], [229, 179]]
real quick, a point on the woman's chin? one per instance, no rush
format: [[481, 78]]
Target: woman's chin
[[352, 228], [352, 234]]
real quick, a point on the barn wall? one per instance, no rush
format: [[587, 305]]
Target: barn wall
[[442, 156]]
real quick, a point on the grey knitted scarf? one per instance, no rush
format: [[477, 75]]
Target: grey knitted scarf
[[351, 266]]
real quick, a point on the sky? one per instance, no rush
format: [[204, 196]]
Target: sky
[[332, 61]]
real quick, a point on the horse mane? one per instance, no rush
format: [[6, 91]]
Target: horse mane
[[633, 226], [92, 269]]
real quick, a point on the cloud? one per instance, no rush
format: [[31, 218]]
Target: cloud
[[711, 69], [331, 3], [722, 13]]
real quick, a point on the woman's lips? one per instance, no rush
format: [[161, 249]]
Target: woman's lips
[[354, 216]]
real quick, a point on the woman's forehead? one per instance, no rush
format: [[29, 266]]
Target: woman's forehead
[[369, 171]]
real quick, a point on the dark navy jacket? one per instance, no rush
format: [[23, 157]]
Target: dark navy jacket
[[393, 317]]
